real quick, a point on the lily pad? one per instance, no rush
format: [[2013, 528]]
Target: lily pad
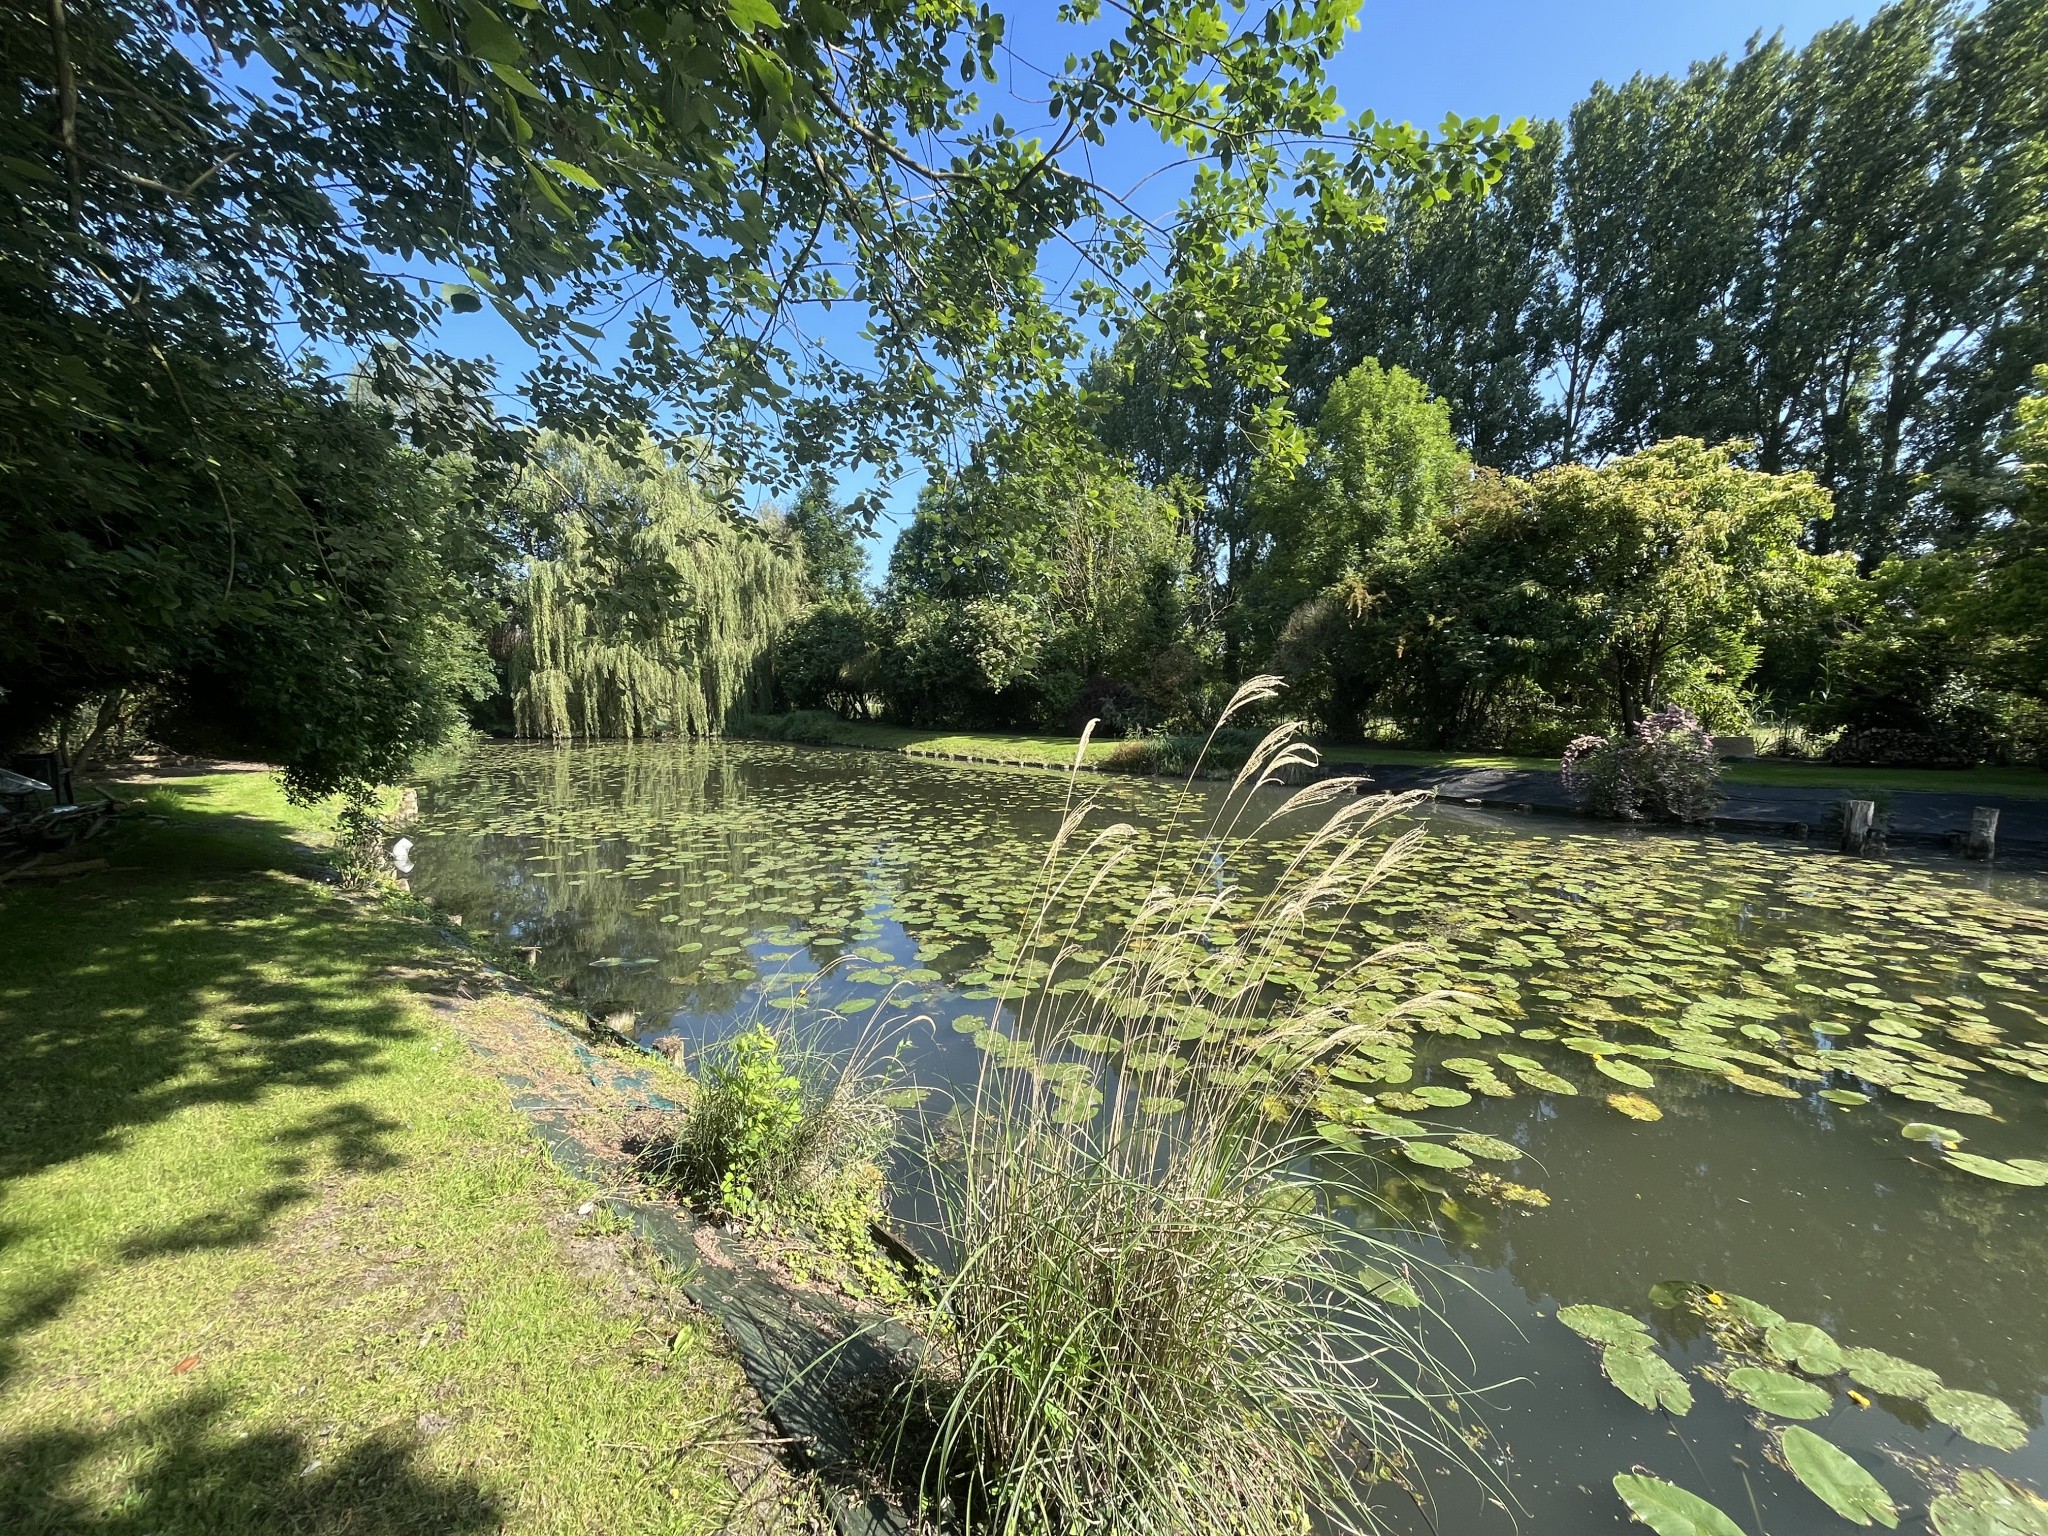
[[1836, 1479], [1442, 1098], [1880, 1372], [1977, 1417], [1921, 1130], [1624, 1072], [1384, 1285], [1992, 1168], [1603, 1325], [1669, 1510], [1985, 1504], [1647, 1377], [1434, 1154], [1635, 1106], [1779, 1393], [1805, 1346], [1672, 1294], [1489, 1147]]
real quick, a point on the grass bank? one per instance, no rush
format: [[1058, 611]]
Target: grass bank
[[1058, 751], [275, 1254]]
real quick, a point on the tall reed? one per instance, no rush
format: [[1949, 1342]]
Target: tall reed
[[1152, 1324]]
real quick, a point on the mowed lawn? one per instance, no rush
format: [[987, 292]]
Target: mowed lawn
[[275, 1255]]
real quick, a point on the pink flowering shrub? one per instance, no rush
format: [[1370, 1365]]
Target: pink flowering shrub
[[1664, 770]]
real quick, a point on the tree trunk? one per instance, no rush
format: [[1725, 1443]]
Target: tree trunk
[[103, 721]]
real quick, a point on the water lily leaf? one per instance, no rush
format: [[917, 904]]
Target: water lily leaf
[[1100, 1045], [1671, 1294], [1545, 1082], [1669, 1510], [1603, 1325], [1623, 1072], [1490, 1147], [1442, 1098], [1434, 1154], [1392, 1125], [1992, 1168], [1920, 1130], [1754, 1313], [1985, 1504], [1805, 1346], [1880, 1372], [1834, 1477], [1848, 1098], [1648, 1378], [1779, 1392], [1388, 1287], [1977, 1417], [1635, 1106]]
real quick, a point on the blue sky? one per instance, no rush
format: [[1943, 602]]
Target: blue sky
[[1414, 60]]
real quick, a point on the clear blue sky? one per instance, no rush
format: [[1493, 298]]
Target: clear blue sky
[[1410, 59]]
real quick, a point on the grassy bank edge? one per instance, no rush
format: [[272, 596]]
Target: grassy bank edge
[[280, 1250]]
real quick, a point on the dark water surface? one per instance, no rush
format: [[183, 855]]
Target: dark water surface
[[1725, 986]]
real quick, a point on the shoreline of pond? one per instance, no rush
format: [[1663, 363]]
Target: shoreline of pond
[[1911, 818]]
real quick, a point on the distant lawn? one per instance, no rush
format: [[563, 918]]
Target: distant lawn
[[2026, 782], [1058, 751], [276, 1255]]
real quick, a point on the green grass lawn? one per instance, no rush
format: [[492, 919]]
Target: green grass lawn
[[1059, 751], [276, 1255]]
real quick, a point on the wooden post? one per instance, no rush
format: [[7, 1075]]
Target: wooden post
[[1983, 839], [1857, 816]]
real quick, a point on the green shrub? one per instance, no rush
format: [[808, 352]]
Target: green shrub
[[812, 727], [774, 1131], [1177, 755]]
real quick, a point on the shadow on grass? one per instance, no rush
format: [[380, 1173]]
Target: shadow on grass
[[183, 1474], [190, 975]]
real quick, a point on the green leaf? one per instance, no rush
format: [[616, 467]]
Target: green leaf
[[1880, 1372], [1669, 1510], [461, 298], [1992, 1168], [574, 173], [1671, 1294], [491, 38], [1624, 1072], [1386, 1286], [1779, 1392], [1985, 1504], [1920, 1130], [1834, 1477], [1647, 1377], [1754, 1313], [1434, 1154], [1490, 1147], [1805, 1346], [749, 14], [1975, 1416], [1603, 1325]]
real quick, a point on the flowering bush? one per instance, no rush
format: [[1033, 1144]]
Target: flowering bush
[[1664, 770]]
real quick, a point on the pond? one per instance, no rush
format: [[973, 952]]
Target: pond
[[1810, 1081]]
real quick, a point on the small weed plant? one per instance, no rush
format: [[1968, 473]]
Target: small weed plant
[[1153, 1322], [777, 1134]]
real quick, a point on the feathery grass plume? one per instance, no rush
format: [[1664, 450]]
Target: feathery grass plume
[[1152, 1324]]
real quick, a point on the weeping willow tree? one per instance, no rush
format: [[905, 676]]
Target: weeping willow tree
[[654, 611]]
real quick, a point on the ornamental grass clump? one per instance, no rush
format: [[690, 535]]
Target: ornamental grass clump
[[1665, 769], [1154, 1322]]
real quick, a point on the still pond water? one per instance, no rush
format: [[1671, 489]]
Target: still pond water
[[1784, 1014]]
